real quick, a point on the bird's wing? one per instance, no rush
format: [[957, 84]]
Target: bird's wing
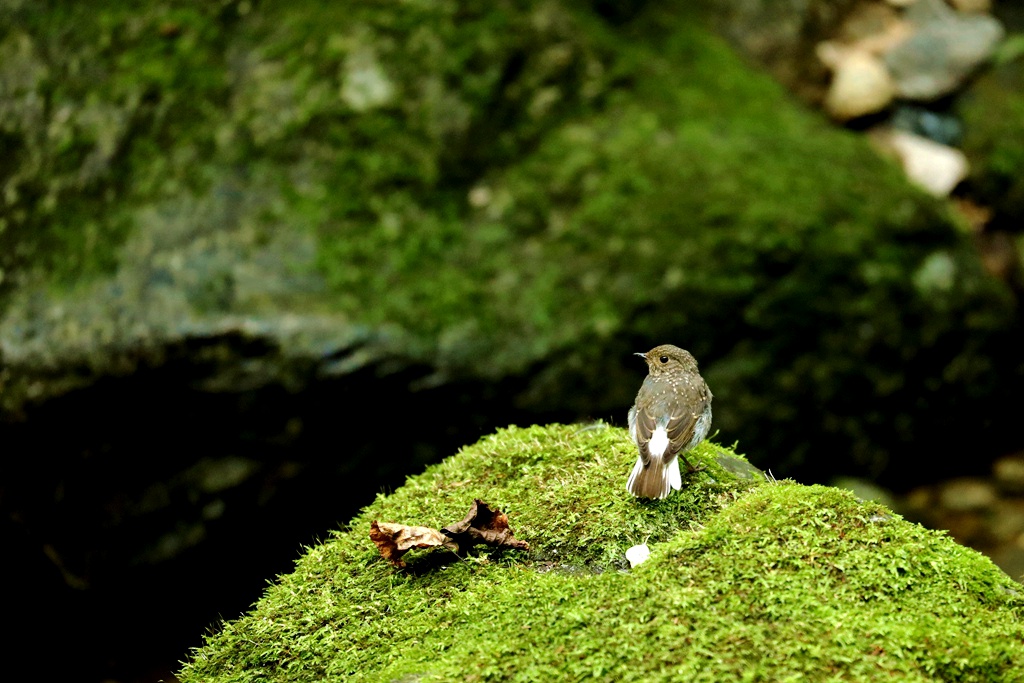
[[643, 428], [632, 423], [678, 411], [680, 428]]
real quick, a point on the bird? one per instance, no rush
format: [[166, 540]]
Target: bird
[[671, 415]]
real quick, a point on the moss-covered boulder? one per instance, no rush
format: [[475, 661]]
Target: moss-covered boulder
[[747, 580]]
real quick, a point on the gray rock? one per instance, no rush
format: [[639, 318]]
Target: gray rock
[[1011, 560], [946, 48], [861, 85], [195, 270], [967, 494], [739, 467], [1006, 525], [1009, 473]]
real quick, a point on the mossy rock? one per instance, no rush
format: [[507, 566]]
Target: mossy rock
[[516, 190], [747, 580]]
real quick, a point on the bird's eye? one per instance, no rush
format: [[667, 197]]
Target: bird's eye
[[664, 359]]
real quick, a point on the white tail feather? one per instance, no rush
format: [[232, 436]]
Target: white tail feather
[[655, 481], [675, 478], [637, 468]]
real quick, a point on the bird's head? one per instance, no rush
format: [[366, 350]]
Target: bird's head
[[667, 359]]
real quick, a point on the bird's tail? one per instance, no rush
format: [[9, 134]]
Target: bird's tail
[[656, 480]]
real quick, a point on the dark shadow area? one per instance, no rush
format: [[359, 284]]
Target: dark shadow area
[[140, 512]]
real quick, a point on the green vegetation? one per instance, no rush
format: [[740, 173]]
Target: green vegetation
[[746, 581], [104, 108]]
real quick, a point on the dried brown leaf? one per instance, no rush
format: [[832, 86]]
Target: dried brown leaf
[[482, 524], [394, 540]]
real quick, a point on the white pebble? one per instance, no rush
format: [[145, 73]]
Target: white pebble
[[638, 554]]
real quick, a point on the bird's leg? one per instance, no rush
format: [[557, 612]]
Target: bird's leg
[[690, 467]]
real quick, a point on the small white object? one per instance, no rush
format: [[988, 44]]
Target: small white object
[[935, 168], [637, 554]]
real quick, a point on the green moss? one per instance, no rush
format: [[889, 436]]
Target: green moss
[[106, 108], [745, 582], [665, 188], [993, 113]]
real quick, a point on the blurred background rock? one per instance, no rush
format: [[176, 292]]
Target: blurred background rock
[[260, 260]]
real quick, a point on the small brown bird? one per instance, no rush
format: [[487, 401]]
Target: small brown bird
[[671, 415]]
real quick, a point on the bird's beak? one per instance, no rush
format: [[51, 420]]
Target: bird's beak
[[642, 355]]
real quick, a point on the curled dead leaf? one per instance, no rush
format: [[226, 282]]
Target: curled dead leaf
[[394, 540], [482, 524]]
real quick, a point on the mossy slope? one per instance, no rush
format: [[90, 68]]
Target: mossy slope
[[746, 581]]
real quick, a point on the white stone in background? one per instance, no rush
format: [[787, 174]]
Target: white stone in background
[[860, 82], [947, 47], [638, 554], [1007, 522], [929, 165], [966, 494], [1009, 473], [901, 3]]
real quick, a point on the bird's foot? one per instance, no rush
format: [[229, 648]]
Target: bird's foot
[[693, 469]]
